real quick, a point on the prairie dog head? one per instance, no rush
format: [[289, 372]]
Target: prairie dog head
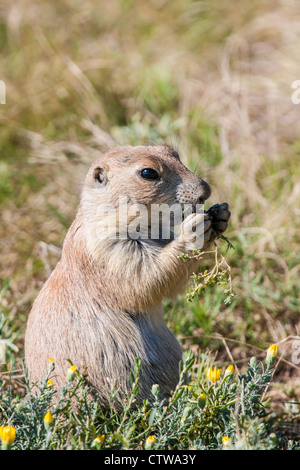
[[138, 177]]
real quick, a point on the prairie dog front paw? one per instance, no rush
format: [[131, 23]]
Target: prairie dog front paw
[[220, 215], [195, 231]]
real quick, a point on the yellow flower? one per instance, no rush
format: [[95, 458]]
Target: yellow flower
[[202, 400], [272, 354], [71, 373], [229, 370], [225, 441], [149, 442], [49, 383], [48, 420], [7, 436], [99, 439], [213, 374], [50, 364], [273, 350], [182, 418]]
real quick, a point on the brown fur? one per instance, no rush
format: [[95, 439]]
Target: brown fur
[[102, 305]]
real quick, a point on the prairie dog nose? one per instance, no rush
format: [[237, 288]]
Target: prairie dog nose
[[205, 191], [193, 192]]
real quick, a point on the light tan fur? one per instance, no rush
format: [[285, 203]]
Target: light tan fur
[[102, 305]]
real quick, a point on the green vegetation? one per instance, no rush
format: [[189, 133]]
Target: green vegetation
[[214, 81], [218, 410]]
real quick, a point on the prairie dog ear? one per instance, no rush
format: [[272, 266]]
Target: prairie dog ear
[[100, 177]]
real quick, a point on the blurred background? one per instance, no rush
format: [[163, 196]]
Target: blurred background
[[212, 79]]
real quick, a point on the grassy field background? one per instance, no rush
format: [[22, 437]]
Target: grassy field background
[[213, 79]]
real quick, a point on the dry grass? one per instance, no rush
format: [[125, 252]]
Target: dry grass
[[211, 79]]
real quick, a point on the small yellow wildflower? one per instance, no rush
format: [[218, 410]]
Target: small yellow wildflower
[[50, 364], [50, 383], [229, 370], [273, 350], [272, 354], [99, 440], [71, 373], [149, 442], [48, 421], [225, 441], [7, 436], [202, 400], [213, 374]]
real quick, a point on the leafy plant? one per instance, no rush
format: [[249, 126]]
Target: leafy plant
[[8, 331], [220, 273], [216, 409]]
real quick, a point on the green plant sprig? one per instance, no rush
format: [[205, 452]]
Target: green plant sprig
[[220, 274]]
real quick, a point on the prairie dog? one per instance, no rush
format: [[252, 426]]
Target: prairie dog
[[102, 305]]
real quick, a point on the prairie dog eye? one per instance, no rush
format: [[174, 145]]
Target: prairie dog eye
[[149, 174]]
